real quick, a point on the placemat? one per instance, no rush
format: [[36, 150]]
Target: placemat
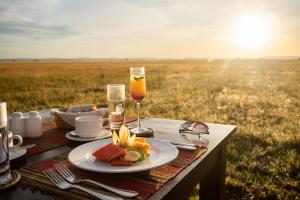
[[145, 183], [51, 138]]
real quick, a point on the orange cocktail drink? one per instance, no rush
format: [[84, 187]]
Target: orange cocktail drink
[[138, 92], [137, 87]]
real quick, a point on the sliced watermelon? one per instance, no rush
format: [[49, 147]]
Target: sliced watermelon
[[109, 152], [101, 149], [105, 155], [101, 153], [116, 153]]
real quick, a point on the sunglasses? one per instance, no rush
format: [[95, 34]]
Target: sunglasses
[[193, 127]]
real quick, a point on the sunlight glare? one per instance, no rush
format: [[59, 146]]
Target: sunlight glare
[[252, 31]]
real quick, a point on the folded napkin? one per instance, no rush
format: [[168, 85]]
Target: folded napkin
[[76, 111]]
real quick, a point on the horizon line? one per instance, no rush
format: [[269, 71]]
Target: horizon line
[[148, 58]]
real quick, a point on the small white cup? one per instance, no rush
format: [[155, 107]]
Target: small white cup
[[17, 124], [90, 126], [33, 124], [11, 139]]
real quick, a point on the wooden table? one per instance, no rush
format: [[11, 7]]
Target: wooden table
[[209, 169]]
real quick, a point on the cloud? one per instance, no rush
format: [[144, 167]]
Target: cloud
[[130, 27], [31, 19], [35, 30]]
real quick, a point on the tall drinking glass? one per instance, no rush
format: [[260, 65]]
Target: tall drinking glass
[[138, 92], [4, 150], [116, 105]]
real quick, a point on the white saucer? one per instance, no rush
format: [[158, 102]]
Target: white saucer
[[16, 153], [104, 134]]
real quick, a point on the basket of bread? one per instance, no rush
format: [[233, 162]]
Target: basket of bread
[[65, 117]]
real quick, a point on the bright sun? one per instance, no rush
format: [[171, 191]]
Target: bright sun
[[252, 31]]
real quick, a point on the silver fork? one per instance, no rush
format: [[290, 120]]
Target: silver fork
[[62, 184], [69, 176]]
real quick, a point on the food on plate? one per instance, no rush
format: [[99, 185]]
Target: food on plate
[[124, 149], [83, 108], [131, 156], [109, 152]]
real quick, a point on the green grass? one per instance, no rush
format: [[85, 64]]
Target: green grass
[[261, 97]]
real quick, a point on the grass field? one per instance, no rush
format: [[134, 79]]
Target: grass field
[[262, 97]]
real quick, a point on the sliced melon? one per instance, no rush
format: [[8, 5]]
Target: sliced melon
[[131, 156]]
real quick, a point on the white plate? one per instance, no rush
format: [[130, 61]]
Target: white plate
[[161, 153], [17, 153], [102, 135]]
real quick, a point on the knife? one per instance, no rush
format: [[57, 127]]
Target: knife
[[190, 148], [180, 143], [185, 146]]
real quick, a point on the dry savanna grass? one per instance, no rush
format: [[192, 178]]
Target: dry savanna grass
[[261, 96]]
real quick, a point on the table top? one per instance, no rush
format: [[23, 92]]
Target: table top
[[166, 129]]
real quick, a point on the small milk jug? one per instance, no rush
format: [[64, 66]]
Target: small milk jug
[[16, 123], [33, 124]]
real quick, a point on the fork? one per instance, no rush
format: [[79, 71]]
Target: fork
[[62, 184], [69, 176]]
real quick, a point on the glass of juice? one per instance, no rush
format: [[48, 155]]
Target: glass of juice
[[138, 92]]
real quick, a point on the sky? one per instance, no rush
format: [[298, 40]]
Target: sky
[[149, 28]]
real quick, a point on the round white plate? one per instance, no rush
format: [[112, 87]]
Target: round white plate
[[161, 153], [17, 153], [102, 135]]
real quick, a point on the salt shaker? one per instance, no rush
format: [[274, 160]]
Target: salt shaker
[[16, 123], [33, 124]]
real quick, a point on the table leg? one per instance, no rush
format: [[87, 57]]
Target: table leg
[[212, 187]]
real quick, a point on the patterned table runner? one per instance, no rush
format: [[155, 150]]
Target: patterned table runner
[[145, 183], [52, 138]]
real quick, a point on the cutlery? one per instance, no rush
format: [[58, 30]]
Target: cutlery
[[203, 142], [69, 176], [184, 146], [62, 184], [181, 143], [190, 148]]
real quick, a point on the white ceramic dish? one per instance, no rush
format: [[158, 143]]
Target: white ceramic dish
[[104, 134], [161, 153]]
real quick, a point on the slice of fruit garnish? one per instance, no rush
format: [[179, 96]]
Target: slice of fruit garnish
[[124, 134], [132, 156], [137, 78], [124, 139], [115, 138], [131, 140], [140, 139], [142, 146]]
